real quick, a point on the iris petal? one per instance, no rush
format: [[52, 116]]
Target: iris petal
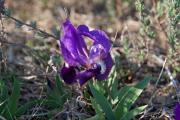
[[84, 76], [177, 112], [83, 28], [101, 38], [68, 74], [73, 47], [108, 62], [97, 52], [98, 36], [68, 58]]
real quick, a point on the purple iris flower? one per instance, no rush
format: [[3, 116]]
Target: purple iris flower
[[81, 62], [177, 112]]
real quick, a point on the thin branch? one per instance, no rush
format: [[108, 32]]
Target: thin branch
[[29, 25], [160, 75], [155, 88], [173, 82]]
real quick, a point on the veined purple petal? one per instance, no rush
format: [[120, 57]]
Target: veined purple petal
[[68, 58], [177, 112], [84, 76], [106, 65], [97, 53], [68, 74], [101, 38], [73, 45], [98, 36]]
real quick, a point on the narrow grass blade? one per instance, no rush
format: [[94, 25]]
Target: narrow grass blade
[[130, 115], [13, 100], [102, 101]]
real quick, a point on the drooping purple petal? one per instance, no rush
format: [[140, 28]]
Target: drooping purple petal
[[84, 76], [106, 66], [72, 45], [68, 74], [177, 112]]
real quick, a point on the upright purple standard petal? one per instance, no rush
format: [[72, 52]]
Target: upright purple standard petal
[[177, 112], [73, 47], [83, 28], [68, 58]]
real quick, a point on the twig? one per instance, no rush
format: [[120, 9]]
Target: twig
[[155, 88], [173, 81], [160, 75], [29, 25]]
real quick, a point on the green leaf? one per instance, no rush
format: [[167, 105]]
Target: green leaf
[[130, 115], [18, 24], [59, 85], [30, 43], [3, 92], [112, 84], [42, 35], [3, 97], [58, 95], [127, 96], [96, 106], [13, 99], [143, 83], [114, 87], [33, 24], [56, 32], [7, 12], [102, 101], [99, 85]]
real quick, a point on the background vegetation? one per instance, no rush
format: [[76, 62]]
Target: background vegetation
[[144, 82]]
